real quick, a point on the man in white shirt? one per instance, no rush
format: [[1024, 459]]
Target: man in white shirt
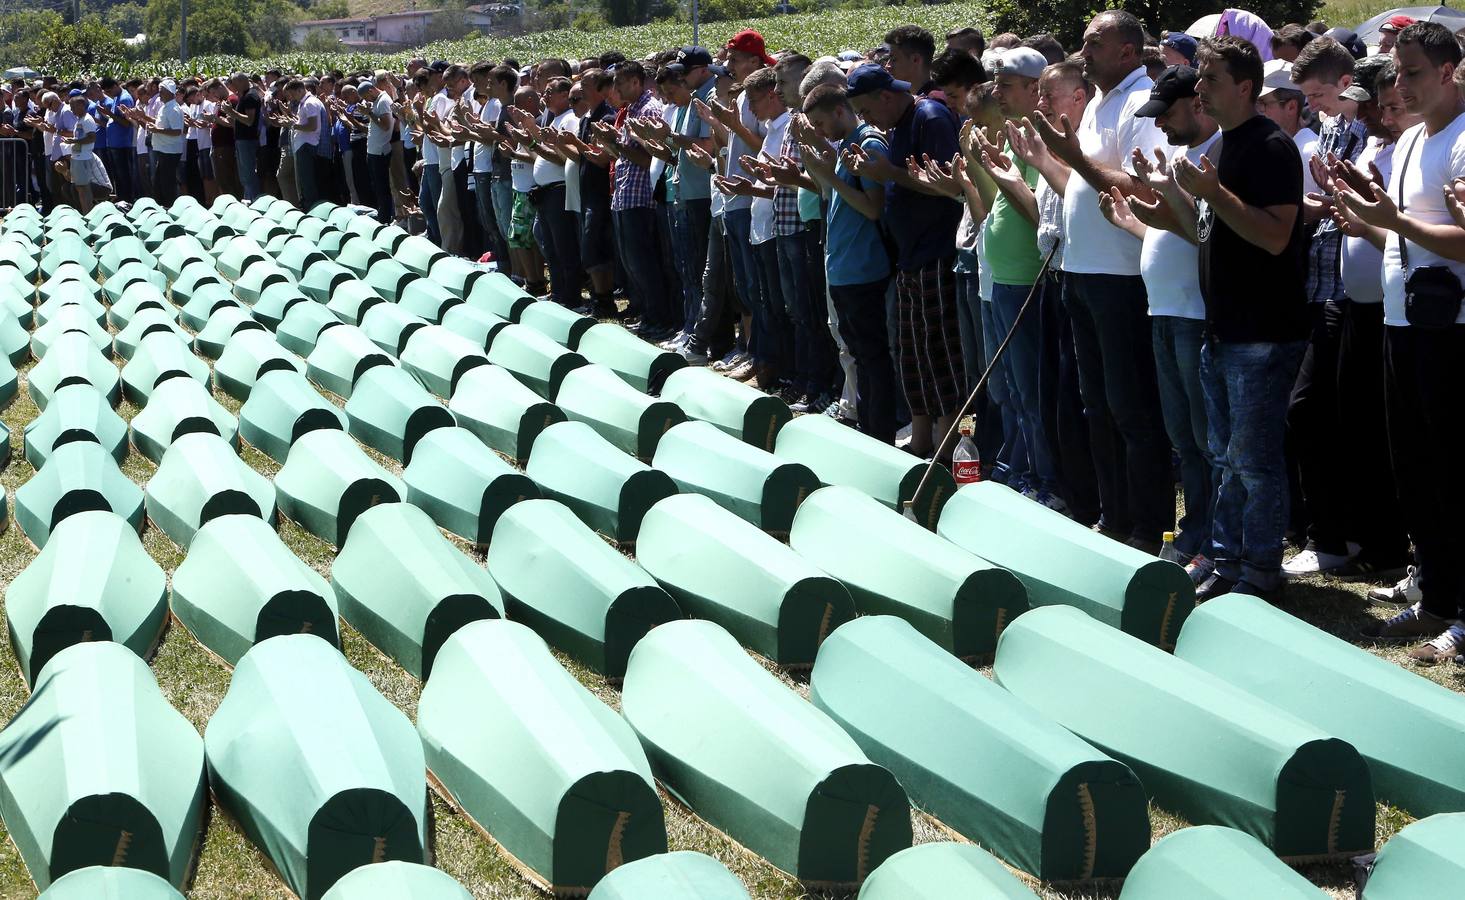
[[1424, 333], [380, 124], [87, 173], [166, 131], [1106, 295], [555, 227], [305, 132], [1282, 102]]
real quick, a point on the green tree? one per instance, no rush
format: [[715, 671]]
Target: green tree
[[271, 26], [86, 46], [1067, 19], [626, 12], [21, 33], [330, 9], [450, 23], [321, 40], [214, 26]]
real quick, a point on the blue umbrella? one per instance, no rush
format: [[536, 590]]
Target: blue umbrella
[[21, 72], [1452, 19]]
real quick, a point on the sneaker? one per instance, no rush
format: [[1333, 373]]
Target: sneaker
[[1199, 569], [1405, 593], [692, 356], [1313, 562], [834, 410], [1411, 624], [1448, 646], [804, 404], [1052, 501], [742, 372], [733, 359], [1357, 569], [676, 341], [1213, 587]]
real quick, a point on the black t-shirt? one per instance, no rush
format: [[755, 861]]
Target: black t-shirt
[[1252, 295], [594, 180], [250, 102]]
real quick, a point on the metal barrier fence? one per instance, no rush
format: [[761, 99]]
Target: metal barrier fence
[[15, 173]]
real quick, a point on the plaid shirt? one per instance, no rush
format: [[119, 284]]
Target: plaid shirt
[[1345, 140], [785, 198], [633, 189]]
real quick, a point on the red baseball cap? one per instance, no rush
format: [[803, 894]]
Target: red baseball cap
[[1397, 23], [751, 42]]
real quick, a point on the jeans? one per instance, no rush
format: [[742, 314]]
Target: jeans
[[1023, 358], [814, 359], [1116, 376], [1319, 479], [305, 178], [558, 233], [121, 165], [692, 220], [503, 205], [483, 200], [969, 325], [1177, 344], [246, 159], [636, 238], [1246, 389], [713, 333], [861, 309], [428, 195], [165, 177], [379, 174], [1424, 370], [745, 275], [1008, 456], [1062, 405]]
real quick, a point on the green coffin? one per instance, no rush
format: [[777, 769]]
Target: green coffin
[[69, 319], [160, 358], [553, 774], [574, 589], [262, 274], [644, 367], [264, 232], [1209, 862], [93, 581], [297, 256], [320, 233], [841, 455], [394, 880], [341, 356], [237, 254], [193, 278], [14, 302], [9, 387], [385, 275], [1422, 860], [98, 769], [390, 412], [129, 274], [477, 325], [14, 341], [119, 251], [223, 324], [67, 248], [389, 237], [282, 407], [419, 254], [490, 402], [892, 566], [147, 322], [388, 325], [48, 309], [350, 301], [428, 300], [1203, 749], [299, 331], [77, 412], [462, 484], [718, 567], [534, 359], [1062, 562], [240, 584], [439, 358], [988, 766], [207, 300], [77, 477], [454, 273], [137, 298], [754, 484], [940, 870], [563, 326], [200, 479], [322, 279], [180, 406], [680, 875], [179, 252], [321, 780], [406, 588], [249, 355], [757, 762], [275, 302], [745, 413], [608, 490], [327, 481], [72, 358], [629, 419], [106, 882], [1411, 730]]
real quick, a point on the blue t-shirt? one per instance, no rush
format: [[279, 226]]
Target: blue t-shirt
[[119, 134], [923, 225], [97, 114], [853, 251]]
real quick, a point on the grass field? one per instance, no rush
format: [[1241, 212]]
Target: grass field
[[230, 868]]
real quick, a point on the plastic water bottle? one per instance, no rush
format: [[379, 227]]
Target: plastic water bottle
[[1167, 548], [966, 464]]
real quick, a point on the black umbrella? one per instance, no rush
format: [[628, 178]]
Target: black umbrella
[[1452, 19]]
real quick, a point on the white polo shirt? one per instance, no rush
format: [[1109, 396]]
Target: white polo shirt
[[170, 117], [1108, 133], [311, 109]]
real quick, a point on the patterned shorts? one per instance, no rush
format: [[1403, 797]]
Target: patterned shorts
[[928, 346]]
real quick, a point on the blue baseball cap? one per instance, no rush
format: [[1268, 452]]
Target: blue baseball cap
[[76, 92], [1181, 43], [872, 77]]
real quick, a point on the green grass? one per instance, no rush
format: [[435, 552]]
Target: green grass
[[230, 868], [1352, 13]]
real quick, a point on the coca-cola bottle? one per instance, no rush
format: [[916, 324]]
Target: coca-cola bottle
[[966, 463]]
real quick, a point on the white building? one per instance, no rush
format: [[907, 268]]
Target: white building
[[392, 31]]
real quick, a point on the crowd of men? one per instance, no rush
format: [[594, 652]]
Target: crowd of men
[[1219, 261]]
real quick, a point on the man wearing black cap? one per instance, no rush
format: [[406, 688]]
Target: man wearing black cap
[[1169, 266]]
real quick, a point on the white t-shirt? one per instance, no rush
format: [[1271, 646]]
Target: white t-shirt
[[762, 227], [1363, 263], [170, 117], [736, 149], [379, 138], [1434, 162], [522, 175], [85, 125], [1108, 133], [140, 135], [1306, 141], [1170, 264], [311, 110], [546, 172], [658, 165], [488, 112], [442, 106]]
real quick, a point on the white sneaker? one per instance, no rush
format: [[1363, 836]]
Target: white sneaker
[[1405, 593], [1312, 562]]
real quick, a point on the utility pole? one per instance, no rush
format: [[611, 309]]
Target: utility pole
[[696, 24], [183, 32]]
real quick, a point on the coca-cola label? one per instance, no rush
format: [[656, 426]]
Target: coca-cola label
[[967, 471]]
